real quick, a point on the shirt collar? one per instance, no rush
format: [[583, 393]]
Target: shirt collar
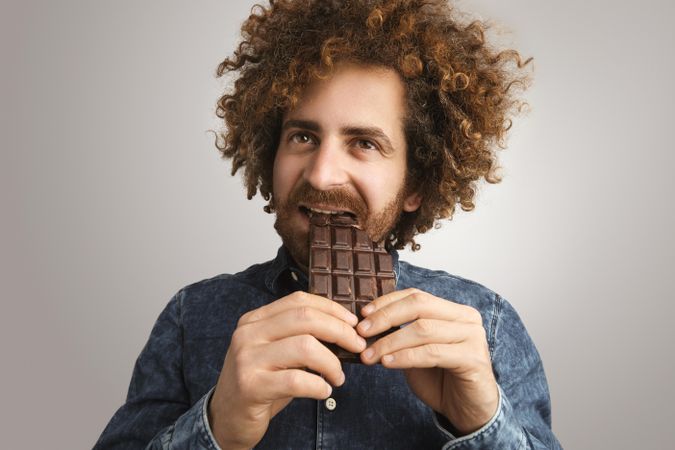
[[283, 263], [280, 265]]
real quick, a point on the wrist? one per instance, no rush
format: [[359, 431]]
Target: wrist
[[219, 427], [468, 420]]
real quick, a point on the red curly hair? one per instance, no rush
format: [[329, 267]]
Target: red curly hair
[[461, 92]]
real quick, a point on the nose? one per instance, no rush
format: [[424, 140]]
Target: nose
[[326, 168]]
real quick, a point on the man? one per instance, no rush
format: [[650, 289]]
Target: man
[[389, 111]]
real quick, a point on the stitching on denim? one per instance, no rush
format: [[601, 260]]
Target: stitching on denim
[[525, 441], [319, 426], [492, 337]]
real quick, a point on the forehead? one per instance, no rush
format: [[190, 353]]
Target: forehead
[[356, 95]]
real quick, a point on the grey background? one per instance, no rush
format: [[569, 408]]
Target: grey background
[[113, 198]]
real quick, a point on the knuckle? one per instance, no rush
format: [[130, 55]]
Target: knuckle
[[248, 317], [294, 299], [293, 381], [306, 344], [241, 360], [244, 381], [300, 296], [414, 291], [407, 355], [303, 313], [433, 350], [416, 297], [385, 316], [424, 328], [239, 337]]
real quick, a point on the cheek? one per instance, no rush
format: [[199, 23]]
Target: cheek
[[380, 185]]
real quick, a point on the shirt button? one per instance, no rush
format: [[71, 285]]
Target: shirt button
[[294, 276], [330, 403]]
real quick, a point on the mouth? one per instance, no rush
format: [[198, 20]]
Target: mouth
[[309, 211]]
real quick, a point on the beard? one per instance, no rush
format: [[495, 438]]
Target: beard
[[378, 225]]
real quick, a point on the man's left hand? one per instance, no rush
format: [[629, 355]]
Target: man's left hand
[[443, 350]]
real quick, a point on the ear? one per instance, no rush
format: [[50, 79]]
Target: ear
[[412, 202]]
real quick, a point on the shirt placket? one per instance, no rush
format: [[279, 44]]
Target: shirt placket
[[327, 417]]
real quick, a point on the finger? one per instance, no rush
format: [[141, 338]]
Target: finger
[[301, 352], [414, 306], [305, 320], [298, 299], [447, 356], [420, 332], [385, 300], [295, 383]]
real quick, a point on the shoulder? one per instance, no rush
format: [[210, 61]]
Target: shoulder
[[253, 276], [445, 285], [223, 295], [456, 289], [499, 316]]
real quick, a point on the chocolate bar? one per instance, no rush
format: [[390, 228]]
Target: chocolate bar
[[346, 266]]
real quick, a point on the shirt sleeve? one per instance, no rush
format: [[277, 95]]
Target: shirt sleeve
[[157, 413], [523, 417]]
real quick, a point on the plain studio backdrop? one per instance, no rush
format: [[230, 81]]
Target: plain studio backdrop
[[113, 197]]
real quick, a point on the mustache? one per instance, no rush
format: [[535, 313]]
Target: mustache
[[336, 198]]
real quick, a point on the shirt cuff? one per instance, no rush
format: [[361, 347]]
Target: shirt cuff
[[502, 431], [192, 429], [205, 418]]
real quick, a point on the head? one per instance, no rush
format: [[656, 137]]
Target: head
[[451, 95], [342, 148]]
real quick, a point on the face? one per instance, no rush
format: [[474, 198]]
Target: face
[[342, 148]]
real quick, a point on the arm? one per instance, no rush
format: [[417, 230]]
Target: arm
[[262, 372], [158, 404], [523, 418], [484, 377]]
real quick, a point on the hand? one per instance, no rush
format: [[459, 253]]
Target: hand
[[443, 351], [264, 365]]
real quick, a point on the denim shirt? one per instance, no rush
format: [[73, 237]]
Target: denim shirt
[[177, 370]]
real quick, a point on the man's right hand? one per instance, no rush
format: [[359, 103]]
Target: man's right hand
[[264, 366]]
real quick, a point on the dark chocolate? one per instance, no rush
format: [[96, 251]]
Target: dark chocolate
[[346, 266]]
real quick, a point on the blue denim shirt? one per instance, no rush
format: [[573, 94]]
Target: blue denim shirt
[[174, 376]]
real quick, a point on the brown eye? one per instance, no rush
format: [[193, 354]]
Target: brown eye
[[365, 144], [301, 138]]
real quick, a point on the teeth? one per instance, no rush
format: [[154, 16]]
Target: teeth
[[323, 211]]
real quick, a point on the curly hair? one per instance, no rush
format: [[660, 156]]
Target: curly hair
[[461, 92]]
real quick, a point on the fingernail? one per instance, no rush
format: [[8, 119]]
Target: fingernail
[[341, 379], [362, 342], [351, 318], [367, 309], [388, 358], [329, 390], [365, 325], [369, 353]]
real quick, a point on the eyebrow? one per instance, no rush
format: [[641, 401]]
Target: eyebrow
[[347, 130]]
